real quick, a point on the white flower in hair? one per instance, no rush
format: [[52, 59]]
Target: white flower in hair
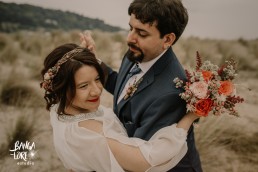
[[46, 76]]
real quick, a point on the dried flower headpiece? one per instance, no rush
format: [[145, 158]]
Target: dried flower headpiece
[[51, 72]]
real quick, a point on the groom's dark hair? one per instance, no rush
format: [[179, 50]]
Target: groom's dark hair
[[170, 15]]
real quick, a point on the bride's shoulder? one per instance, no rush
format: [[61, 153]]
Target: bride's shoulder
[[106, 111], [53, 110]]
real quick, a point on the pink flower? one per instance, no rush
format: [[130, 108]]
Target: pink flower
[[46, 76], [199, 89]]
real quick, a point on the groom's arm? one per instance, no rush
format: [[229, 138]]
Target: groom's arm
[[166, 110], [110, 78], [111, 75]]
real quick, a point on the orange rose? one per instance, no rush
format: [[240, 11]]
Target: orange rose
[[207, 75], [203, 107], [226, 88]]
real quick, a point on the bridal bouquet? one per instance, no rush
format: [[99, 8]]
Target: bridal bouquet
[[210, 88]]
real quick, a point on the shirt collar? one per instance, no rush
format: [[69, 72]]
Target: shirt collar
[[145, 66]]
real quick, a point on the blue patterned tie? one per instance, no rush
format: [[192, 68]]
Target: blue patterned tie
[[135, 70]]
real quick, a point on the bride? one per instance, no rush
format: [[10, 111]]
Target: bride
[[88, 136]]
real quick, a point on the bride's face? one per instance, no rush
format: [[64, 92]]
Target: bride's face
[[88, 88]]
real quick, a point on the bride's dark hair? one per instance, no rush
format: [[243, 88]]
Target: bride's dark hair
[[63, 82]]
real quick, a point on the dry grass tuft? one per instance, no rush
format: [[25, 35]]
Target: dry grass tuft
[[19, 95], [24, 130], [224, 141]]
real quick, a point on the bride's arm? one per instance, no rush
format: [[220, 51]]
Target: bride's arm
[[128, 156]]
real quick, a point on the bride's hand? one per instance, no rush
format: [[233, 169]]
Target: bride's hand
[[187, 120], [88, 42], [192, 116]]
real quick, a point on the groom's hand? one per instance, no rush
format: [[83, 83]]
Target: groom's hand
[[88, 42]]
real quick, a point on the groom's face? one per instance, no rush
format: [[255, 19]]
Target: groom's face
[[144, 40]]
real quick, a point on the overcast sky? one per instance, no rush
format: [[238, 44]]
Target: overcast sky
[[219, 19]]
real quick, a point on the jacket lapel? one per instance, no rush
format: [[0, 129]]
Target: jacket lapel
[[121, 77], [148, 78], [158, 67]]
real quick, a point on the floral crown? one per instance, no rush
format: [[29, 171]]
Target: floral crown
[[51, 72]]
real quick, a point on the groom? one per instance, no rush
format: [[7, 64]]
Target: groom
[[145, 98]]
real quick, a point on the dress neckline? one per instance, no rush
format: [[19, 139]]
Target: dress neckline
[[81, 116]]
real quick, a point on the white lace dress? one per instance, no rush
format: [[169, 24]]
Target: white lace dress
[[81, 149]]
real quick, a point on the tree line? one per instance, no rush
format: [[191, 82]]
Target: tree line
[[15, 17]]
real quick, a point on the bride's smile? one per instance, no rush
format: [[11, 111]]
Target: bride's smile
[[88, 89]]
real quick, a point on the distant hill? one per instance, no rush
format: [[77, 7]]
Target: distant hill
[[14, 17]]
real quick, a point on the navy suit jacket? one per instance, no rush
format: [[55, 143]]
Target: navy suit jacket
[[155, 104]]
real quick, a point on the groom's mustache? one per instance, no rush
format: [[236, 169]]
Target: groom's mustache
[[134, 46], [135, 57]]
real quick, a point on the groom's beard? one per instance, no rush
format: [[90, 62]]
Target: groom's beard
[[135, 57]]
